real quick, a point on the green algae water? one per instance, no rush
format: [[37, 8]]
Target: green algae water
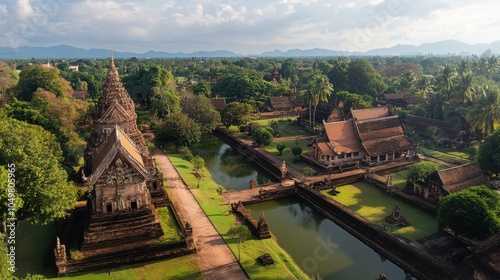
[[317, 245], [228, 167]]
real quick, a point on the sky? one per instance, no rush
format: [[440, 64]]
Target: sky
[[245, 26]]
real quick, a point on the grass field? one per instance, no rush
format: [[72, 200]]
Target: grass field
[[448, 155], [170, 228], [287, 153], [217, 210], [371, 203], [184, 267]]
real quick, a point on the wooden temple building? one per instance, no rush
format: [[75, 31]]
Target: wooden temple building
[[401, 100], [122, 176], [331, 111], [279, 104], [369, 136], [451, 180], [218, 103]]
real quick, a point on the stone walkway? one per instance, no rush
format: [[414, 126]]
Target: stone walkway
[[214, 257]]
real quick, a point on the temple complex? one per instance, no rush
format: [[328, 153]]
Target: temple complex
[[371, 136], [122, 176]]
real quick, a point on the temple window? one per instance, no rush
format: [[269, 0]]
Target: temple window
[[356, 154]]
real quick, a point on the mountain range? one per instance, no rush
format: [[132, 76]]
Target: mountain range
[[448, 47]]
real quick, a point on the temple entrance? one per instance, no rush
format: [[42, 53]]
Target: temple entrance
[[133, 204], [155, 185], [109, 208]]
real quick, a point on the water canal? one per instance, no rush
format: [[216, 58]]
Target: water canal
[[316, 244]]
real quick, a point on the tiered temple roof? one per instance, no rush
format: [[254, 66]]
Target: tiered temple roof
[[339, 137], [218, 103], [115, 108], [382, 135], [447, 129]]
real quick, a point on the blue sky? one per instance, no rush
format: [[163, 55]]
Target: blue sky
[[245, 27]]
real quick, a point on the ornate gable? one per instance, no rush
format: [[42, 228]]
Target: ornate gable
[[117, 144], [115, 114]]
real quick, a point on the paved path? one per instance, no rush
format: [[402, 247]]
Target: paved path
[[214, 257]]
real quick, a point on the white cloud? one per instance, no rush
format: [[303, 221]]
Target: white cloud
[[245, 26]]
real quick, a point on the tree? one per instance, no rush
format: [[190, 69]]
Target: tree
[[34, 77], [280, 147], [420, 170], [364, 79], [473, 212], [407, 81], [296, 151], [321, 90], [236, 113], [445, 79], [465, 85], [308, 171], [41, 183], [202, 88], [200, 109], [6, 272], [198, 163], [423, 86], [485, 111], [352, 100], [263, 136], [240, 232], [165, 102], [8, 78], [489, 153], [179, 130]]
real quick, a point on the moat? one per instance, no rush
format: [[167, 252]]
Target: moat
[[317, 245]]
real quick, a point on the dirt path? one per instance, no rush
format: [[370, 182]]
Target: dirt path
[[214, 257]]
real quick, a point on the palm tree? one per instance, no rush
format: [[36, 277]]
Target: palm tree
[[407, 81], [465, 85], [492, 66], [464, 66], [437, 102], [308, 97], [445, 79], [486, 110], [423, 85], [321, 89]]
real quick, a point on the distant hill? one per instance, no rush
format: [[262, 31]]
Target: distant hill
[[448, 47]]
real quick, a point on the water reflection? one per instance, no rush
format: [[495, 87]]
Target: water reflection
[[319, 246], [227, 166], [316, 244]]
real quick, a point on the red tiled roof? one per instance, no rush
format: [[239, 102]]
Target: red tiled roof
[[371, 113], [342, 136], [218, 103], [382, 135], [280, 103], [461, 177]]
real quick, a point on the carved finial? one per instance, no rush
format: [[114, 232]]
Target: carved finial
[[262, 217], [58, 242]]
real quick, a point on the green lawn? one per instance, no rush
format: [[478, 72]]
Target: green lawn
[[170, 228], [448, 155], [371, 203], [287, 153], [185, 267], [217, 210], [399, 179]]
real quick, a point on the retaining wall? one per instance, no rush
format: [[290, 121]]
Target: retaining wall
[[410, 258]]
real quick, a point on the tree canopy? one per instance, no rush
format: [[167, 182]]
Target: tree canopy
[[179, 130], [473, 212], [200, 109], [41, 183], [421, 170], [236, 113], [489, 153], [34, 77]]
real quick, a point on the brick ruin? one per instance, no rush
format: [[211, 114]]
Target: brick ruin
[[121, 224]]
